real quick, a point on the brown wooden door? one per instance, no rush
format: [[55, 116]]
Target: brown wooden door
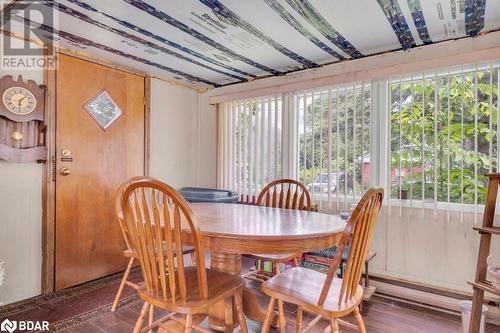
[[89, 243]]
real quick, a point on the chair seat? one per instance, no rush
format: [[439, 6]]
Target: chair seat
[[274, 257], [220, 286], [129, 253], [302, 286]]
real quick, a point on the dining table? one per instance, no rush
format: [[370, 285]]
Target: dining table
[[231, 230]]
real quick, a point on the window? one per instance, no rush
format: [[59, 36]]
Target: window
[[334, 142], [444, 135], [428, 138], [250, 145]]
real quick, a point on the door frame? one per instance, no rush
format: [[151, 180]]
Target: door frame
[[49, 168]]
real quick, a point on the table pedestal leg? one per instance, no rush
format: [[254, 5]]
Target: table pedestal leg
[[231, 263]]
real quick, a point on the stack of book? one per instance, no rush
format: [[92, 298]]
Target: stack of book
[[321, 260], [270, 269]]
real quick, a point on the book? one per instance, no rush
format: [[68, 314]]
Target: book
[[328, 253], [318, 259], [315, 266]]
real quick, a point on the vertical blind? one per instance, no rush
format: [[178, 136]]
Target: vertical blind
[[334, 142], [428, 138], [444, 136], [250, 144], [320, 137]]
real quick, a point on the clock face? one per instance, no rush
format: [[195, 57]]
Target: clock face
[[19, 100]]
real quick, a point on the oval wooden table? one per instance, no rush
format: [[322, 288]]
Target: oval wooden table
[[230, 230]]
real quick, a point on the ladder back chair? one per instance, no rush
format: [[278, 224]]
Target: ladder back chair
[[287, 194], [129, 253], [324, 294], [159, 221]]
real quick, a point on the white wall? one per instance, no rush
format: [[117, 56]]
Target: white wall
[[207, 143], [182, 144], [20, 222], [440, 251], [182, 136]]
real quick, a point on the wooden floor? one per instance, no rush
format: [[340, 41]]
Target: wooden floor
[[86, 309], [380, 316]]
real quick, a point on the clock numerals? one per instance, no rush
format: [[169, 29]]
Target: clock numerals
[[19, 100]]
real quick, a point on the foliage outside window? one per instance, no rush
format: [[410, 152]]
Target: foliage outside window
[[334, 141], [444, 136]]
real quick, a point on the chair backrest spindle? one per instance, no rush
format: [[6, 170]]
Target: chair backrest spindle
[[285, 193], [159, 221], [358, 233]]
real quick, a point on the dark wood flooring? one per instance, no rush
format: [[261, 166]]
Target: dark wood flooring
[[380, 316], [86, 309]]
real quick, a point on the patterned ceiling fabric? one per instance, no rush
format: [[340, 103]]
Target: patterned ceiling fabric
[[278, 8], [170, 20], [419, 20], [225, 12], [82, 41], [211, 43], [134, 38], [160, 39], [474, 16], [307, 11], [398, 23]]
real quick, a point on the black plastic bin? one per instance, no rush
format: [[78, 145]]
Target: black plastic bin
[[196, 194]]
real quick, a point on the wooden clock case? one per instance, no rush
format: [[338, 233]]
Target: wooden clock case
[[31, 147]]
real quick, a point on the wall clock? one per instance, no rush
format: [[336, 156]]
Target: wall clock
[[22, 116], [19, 100]]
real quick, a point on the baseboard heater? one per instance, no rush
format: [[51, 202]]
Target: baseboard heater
[[429, 297]]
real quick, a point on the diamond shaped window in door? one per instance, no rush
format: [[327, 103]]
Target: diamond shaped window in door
[[103, 109]]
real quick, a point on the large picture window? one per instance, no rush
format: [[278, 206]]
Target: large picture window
[[427, 138]]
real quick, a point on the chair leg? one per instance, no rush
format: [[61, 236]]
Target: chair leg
[[334, 325], [298, 320], [359, 320], [269, 316], [151, 315], [142, 316], [241, 316], [188, 327], [228, 315], [281, 315], [122, 284]]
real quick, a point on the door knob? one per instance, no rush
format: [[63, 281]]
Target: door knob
[[65, 171]]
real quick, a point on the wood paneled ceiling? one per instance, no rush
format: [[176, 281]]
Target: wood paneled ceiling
[[211, 43]]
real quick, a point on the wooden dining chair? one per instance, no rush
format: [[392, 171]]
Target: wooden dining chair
[[129, 253], [287, 194], [324, 294], [159, 221]]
